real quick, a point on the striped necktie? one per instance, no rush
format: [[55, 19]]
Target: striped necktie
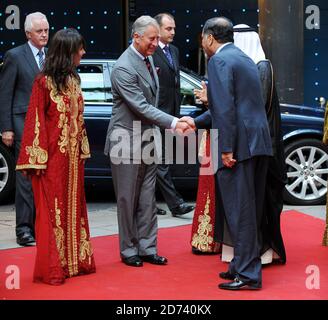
[[148, 64], [41, 59], [150, 69]]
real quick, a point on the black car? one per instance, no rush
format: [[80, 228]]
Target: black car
[[306, 156]]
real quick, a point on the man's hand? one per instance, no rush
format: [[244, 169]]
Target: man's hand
[[201, 94], [185, 125], [228, 160], [190, 121], [8, 138]]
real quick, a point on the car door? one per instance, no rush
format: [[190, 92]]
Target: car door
[[96, 88], [189, 107]]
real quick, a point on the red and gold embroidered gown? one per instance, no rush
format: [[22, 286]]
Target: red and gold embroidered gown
[[53, 150], [202, 235]]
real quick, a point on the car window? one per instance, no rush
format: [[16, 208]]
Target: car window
[[93, 84], [187, 90]]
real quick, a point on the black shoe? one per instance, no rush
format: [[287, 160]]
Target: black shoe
[[238, 284], [26, 239], [181, 209], [227, 275], [160, 212], [154, 259], [133, 261], [198, 252]]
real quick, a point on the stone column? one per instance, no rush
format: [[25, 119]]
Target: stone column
[[282, 36]]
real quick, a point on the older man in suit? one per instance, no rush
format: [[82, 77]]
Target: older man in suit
[[166, 60], [21, 65], [132, 136], [236, 109]]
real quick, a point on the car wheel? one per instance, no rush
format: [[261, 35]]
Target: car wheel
[[307, 172], [7, 173]]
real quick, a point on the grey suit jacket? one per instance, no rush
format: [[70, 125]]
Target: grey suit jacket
[[135, 97], [16, 80]]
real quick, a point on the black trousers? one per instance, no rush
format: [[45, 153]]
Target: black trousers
[[165, 183], [24, 199], [240, 197]]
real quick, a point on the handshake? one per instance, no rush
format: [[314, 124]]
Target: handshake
[[185, 126]]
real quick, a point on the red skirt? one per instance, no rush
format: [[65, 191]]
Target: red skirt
[[202, 235]]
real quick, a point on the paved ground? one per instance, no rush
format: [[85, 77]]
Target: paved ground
[[103, 221]]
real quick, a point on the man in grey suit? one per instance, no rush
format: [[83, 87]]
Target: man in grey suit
[[21, 65], [135, 91]]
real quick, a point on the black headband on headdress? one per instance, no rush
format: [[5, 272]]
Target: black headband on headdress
[[248, 29]]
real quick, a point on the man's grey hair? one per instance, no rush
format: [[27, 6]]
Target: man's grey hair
[[28, 25], [141, 24]]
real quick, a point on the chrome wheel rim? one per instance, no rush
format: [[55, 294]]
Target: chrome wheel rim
[[4, 172], [307, 172]]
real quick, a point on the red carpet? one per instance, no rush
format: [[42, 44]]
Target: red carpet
[[186, 277]]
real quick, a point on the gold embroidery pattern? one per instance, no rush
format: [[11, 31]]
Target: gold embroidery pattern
[[85, 148], [85, 245], [59, 234], [70, 107], [325, 237], [67, 102], [72, 211], [202, 240], [29, 166], [63, 120], [36, 153]]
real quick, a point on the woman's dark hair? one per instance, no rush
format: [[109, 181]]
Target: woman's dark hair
[[221, 28], [59, 64]]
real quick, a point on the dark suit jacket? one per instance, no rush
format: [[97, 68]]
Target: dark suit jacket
[[169, 81], [16, 80], [236, 106]]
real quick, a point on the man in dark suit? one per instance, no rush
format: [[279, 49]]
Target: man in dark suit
[[236, 109], [166, 60], [135, 114], [20, 66]]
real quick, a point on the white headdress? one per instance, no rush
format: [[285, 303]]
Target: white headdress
[[248, 41]]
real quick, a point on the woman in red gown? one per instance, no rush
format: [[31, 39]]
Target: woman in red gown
[[53, 151]]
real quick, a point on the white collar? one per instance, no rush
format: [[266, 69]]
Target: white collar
[[162, 45]]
